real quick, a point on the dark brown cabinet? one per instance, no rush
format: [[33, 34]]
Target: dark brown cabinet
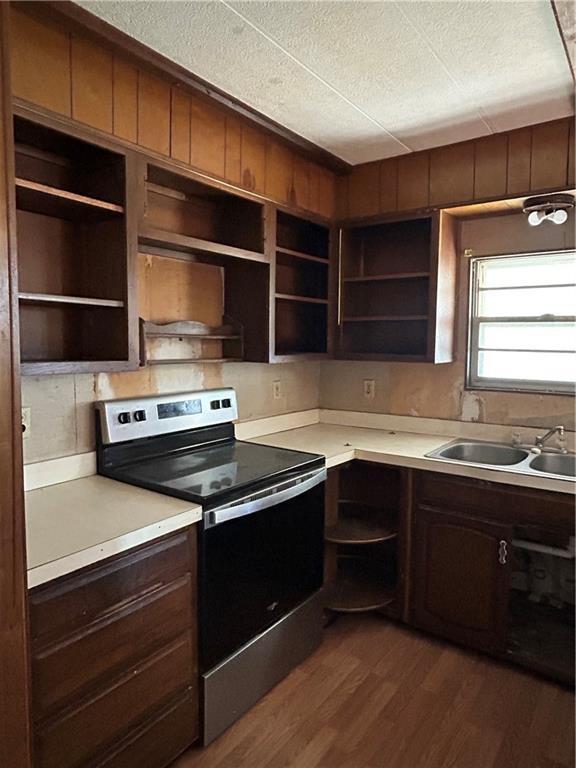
[[397, 289], [114, 660], [461, 575], [492, 569]]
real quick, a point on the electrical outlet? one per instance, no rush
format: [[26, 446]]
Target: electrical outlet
[[26, 422], [277, 389], [369, 389]]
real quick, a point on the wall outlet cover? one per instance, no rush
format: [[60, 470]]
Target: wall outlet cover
[[277, 389], [369, 389]]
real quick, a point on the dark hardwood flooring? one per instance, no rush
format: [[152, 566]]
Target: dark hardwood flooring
[[378, 695]]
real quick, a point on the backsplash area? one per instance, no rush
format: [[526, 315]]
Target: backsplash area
[[62, 415]]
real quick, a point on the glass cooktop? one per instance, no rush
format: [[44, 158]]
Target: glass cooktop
[[206, 472]]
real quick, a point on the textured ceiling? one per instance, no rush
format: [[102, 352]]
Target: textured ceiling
[[367, 80]]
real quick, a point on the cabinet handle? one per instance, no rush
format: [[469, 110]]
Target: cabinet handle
[[503, 552]]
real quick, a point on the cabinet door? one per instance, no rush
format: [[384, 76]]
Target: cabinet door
[[461, 574]]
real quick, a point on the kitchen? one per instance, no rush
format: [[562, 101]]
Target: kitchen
[[287, 441]]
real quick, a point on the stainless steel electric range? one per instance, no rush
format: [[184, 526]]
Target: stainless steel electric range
[[260, 540]]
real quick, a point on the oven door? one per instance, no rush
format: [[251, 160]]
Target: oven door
[[259, 558]]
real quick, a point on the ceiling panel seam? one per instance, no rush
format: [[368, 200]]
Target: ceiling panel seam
[[317, 76], [446, 69]]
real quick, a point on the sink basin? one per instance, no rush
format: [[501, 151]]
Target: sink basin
[[555, 463], [483, 453]]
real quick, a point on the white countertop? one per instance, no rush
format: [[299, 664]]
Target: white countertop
[[404, 449], [77, 523]]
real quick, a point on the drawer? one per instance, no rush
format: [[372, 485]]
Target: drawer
[[93, 727], [77, 600], [158, 742], [111, 644]]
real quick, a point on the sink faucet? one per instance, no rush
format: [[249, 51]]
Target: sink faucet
[[541, 439]]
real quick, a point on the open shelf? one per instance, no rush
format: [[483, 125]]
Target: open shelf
[[398, 271], [301, 287], [300, 255], [51, 201], [72, 253], [359, 531], [302, 237], [359, 586], [193, 341], [190, 215], [301, 326], [403, 337], [379, 278], [305, 299], [46, 298], [187, 244]]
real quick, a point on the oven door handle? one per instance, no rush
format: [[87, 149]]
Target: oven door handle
[[267, 498]]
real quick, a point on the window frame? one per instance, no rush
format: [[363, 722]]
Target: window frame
[[473, 381]]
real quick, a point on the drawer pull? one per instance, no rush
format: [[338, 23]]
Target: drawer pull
[[502, 552]]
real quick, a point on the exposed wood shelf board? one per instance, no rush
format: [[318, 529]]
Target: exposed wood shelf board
[[195, 244], [46, 298], [52, 200], [302, 299], [187, 361], [189, 329], [378, 278], [359, 531], [392, 357], [383, 318], [302, 255]]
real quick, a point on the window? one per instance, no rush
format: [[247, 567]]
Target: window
[[522, 323]]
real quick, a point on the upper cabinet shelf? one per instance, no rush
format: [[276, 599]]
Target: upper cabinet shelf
[[52, 201], [185, 214], [74, 252], [302, 258], [397, 297]]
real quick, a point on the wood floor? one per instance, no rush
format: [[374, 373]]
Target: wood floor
[[376, 695]]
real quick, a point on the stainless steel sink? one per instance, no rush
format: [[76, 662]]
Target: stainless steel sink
[[555, 463], [508, 458], [482, 453]]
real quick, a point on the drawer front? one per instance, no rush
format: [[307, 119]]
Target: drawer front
[[80, 599], [115, 642], [159, 742], [511, 504], [96, 724]]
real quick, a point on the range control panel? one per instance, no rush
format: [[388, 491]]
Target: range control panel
[[122, 420]]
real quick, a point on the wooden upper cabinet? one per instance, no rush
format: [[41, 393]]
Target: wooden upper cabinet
[[364, 191], [75, 252], [180, 125], [207, 138], [460, 577], [398, 289], [413, 181], [253, 159], [125, 101]]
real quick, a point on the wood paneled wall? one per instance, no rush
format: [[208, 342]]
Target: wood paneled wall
[[14, 703], [72, 76], [535, 159]]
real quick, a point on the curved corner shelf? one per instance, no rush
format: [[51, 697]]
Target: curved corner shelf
[[359, 531], [358, 587]]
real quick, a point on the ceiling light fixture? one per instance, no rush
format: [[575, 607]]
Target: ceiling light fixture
[[552, 208]]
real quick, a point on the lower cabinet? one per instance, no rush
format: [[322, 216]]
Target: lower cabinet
[[114, 660], [461, 576], [493, 569]]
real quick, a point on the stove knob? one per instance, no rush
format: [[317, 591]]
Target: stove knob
[[124, 417], [215, 485], [226, 403], [139, 415]]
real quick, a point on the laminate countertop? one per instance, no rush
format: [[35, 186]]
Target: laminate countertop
[[74, 524], [340, 444]]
